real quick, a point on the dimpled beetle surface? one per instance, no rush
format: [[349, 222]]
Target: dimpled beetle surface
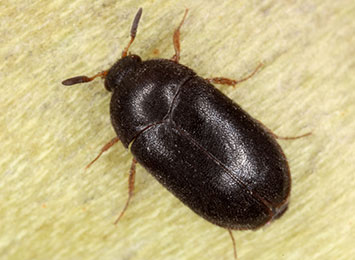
[[198, 143]]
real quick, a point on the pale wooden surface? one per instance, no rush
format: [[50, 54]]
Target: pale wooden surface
[[52, 209]]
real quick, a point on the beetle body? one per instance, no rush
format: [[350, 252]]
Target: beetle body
[[198, 143], [204, 148]]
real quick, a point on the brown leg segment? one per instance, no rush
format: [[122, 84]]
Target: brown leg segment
[[131, 178], [176, 39], [233, 242], [232, 82], [104, 149], [282, 137], [290, 137]]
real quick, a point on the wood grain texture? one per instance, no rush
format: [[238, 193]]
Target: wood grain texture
[[51, 208]]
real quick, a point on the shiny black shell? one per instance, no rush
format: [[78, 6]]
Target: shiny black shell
[[198, 143]]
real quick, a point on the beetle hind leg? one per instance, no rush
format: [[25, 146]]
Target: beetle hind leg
[[291, 137], [233, 242], [131, 179]]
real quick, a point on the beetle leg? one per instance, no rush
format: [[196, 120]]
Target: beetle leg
[[282, 137], [104, 149], [233, 242], [131, 178], [176, 39], [83, 79], [233, 82], [290, 137]]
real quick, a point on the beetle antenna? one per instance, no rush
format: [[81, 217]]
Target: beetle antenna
[[83, 79], [133, 31], [233, 241]]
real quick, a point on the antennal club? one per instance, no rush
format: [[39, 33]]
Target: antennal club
[[83, 79], [133, 31]]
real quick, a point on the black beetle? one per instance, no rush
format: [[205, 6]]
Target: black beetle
[[212, 155]]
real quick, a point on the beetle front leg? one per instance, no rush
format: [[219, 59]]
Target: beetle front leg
[[232, 82], [131, 179]]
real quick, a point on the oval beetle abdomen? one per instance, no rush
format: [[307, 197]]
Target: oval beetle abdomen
[[200, 145]]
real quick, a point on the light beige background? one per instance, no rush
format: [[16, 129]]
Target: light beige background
[[52, 209]]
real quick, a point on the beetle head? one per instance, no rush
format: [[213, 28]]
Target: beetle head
[[120, 70]]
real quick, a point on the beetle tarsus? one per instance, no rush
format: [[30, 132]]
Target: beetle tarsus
[[233, 242], [291, 137]]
